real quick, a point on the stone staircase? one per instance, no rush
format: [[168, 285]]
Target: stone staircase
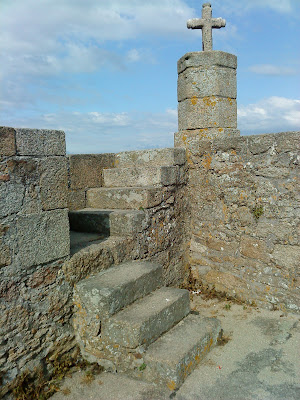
[[130, 188], [125, 319], [128, 322]]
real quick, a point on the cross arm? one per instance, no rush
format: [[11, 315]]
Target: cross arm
[[195, 23], [218, 23]]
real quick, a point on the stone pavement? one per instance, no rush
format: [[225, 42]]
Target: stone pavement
[[260, 361]]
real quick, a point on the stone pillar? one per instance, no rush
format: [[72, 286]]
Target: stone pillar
[[206, 96]]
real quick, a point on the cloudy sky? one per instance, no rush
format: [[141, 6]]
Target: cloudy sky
[[104, 71]]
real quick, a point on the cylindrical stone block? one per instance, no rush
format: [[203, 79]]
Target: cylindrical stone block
[[207, 94]]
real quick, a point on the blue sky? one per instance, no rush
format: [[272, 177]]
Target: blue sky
[[105, 72]]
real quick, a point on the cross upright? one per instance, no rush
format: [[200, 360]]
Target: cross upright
[[206, 23]]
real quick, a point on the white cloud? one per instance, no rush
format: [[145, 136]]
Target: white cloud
[[240, 6], [97, 132], [269, 69], [273, 114], [42, 39]]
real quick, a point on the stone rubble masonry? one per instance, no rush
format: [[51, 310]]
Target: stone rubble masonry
[[244, 221], [35, 298], [206, 95]]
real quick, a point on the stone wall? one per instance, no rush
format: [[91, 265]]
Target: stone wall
[[35, 299], [244, 221], [85, 172]]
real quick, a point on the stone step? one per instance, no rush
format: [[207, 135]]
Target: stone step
[[124, 198], [154, 157], [107, 222], [107, 292], [141, 176], [175, 355], [145, 320]]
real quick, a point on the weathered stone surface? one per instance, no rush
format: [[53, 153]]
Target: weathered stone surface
[[76, 199], [206, 23], [125, 198], [124, 222], [11, 198], [207, 112], [5, 256], [148, 318], [285, 255], [244, 216], [7, 141], [53, 182], [108, 222], [254, 248], [86, 169], [42, 237], [98, 257], [205, 82], [208, 58], [40, 142], [193, 138], [141, 176], [107, 292], [175, 355], [152, 157]]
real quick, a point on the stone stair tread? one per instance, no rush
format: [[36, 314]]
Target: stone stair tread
[[174, 345], [175, 354], [165, 156], [141, 175], [124, 197], [113, 222], [106, 211], [146, 319], [109, 291]]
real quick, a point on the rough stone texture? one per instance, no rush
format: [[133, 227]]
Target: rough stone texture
[[107, 292], [207, 81], [126, 222], [148, 318], [40, 142], [174, 356], [153, 157], [86, 169], [54, 183], [141, 176], [42, 238], [207, 91], [193, 137], [207, 58], [244, 222], [76, 199], [98, 257], [35, 298], [207, 112], [126, 198], [7, 141]]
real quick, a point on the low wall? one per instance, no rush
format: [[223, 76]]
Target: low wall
[[244, 221], [35, 299]]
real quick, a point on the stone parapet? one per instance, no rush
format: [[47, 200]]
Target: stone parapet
[[34, 243]]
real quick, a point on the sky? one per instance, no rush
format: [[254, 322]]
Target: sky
[[105, 71]]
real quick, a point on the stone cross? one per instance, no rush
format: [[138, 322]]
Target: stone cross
[[206, 23]]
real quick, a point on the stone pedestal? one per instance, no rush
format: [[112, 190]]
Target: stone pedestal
[[206, 96]]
